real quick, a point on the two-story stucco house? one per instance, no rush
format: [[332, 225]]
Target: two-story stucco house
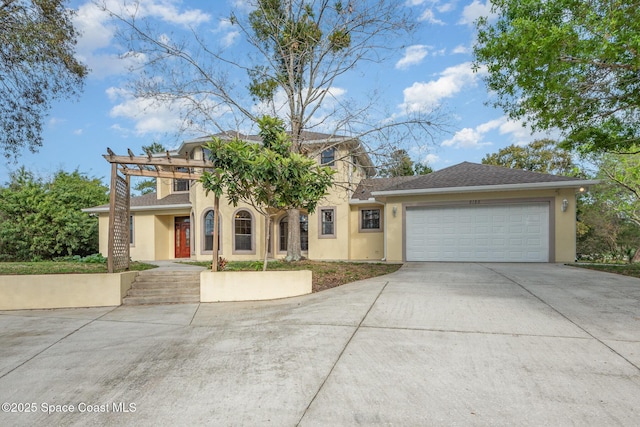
[[466, 212]]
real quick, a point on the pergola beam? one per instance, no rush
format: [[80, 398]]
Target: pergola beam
[[161, 174], [158, 161]]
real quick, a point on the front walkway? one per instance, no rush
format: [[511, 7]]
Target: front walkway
[[174, 265], [432, 344]]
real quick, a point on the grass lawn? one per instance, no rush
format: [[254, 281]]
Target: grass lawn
[[61, 267], [624, 269], [325, 274]]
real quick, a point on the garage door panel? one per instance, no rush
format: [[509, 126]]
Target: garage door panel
[[509, 232]]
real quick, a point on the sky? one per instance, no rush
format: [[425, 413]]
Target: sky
[[434, 69]]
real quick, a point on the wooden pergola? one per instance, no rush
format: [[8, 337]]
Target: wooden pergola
[[122, 168]]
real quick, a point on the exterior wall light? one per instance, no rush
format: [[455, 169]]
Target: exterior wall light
[[565, 205], [394, 210]]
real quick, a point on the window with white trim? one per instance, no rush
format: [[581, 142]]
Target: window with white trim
[[327, 225], [208, 231], [242, 225], [370, 219], [328, 157]]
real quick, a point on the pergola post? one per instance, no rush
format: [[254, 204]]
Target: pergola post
[[118, 244], [112, 212]]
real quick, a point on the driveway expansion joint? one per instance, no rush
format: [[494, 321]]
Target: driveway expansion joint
[[53, 344], [460, 331], [564, 316], [333, 367]]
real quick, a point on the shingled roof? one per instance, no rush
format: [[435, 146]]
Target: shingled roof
[[146, 201], [463, 175]]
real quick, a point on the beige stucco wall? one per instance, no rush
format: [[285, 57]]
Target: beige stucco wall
[[202, 203], [164, 236], [319, 248], [103, 233], [164, 187], [331, 248], [253, 285], [563, 225], [153, 234], [365, 245], [64, 290], [143, 247]]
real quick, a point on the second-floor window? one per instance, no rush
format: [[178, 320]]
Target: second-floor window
[[327, 222], [180, 185], [328, 157]]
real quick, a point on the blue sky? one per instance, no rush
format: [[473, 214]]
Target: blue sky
[[433, 70]]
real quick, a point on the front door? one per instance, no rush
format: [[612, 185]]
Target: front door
[[183, 237]]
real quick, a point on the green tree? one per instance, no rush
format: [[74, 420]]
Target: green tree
[[42, 219], [611, 211], [37, 66], [147, 186], [567, 64], [544, 156], [399, 164], [295, 54], [269, 177], [422, 169]]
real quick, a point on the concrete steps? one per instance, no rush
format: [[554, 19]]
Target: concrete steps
[[164, 287]]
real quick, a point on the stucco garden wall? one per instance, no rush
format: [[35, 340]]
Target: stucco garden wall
[[28, 292], [253, 285]]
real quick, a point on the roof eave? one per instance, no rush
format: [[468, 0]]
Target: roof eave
[[142, 208], [489, 188], [369, 201]]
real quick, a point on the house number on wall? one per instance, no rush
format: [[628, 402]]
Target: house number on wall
[[474, 202]]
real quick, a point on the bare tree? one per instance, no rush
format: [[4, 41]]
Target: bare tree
[[294, 54]]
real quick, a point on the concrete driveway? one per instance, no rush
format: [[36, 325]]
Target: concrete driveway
[[433, 344]]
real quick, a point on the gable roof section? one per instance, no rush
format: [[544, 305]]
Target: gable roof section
[[150, 202], [310, 140], [466, 177]]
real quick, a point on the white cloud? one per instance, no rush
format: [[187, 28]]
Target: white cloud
[[97, 31], [466, 138], [168, 11], [54, 121], [447, 7], [476, 137], [461, 49], [323, 119], [475, 10], [428, 95], [78, 132], [431, 159], [430, 17], [231, 34], [150, 116], [413, 55], [241, 5]]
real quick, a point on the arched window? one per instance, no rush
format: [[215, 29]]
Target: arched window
[[208, 231], [243, 231], [304, 233]]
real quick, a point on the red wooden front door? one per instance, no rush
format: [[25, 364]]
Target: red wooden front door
[[183, 237]]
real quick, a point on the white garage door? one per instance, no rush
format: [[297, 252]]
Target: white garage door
[[497, 233]]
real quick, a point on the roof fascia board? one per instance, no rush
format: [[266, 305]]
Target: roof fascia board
[[488, 188], [370, 201], [142, 208]]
